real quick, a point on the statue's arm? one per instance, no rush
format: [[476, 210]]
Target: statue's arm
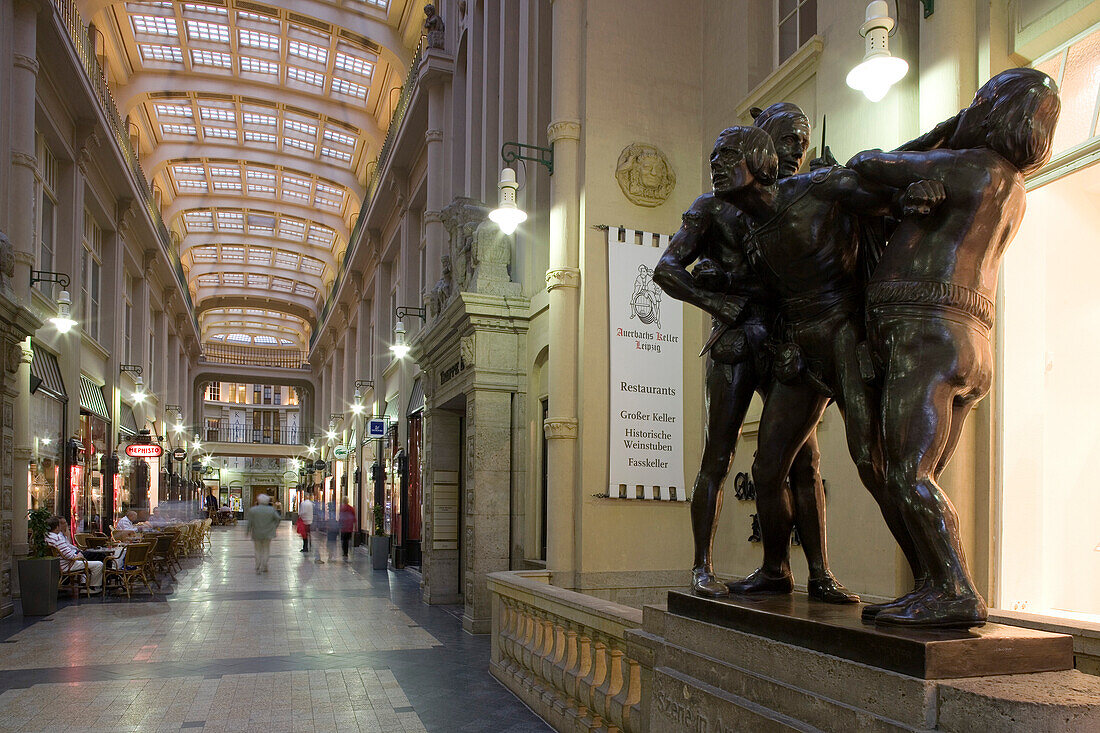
[[672, 275], [900, 169], [857, 195]]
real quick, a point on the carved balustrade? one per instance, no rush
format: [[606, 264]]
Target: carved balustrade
[[565, 654]]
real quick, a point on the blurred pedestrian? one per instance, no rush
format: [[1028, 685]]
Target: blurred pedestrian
[[347, 526], [305, 516], [263, 520]]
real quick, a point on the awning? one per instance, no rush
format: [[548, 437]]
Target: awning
[[127, 424], [91, 398], [392, 410], [46, 374], [416, 402]]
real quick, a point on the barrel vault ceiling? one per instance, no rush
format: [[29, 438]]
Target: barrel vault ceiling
[[256, 124]]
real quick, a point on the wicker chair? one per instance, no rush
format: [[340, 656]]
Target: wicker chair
[[137, 567], [122, 534], [207, 545], [162, 554], [94, 541], [80, 539], [77, 577]]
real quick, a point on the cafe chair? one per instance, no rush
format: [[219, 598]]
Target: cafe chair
[[137, 567], [77, 577]]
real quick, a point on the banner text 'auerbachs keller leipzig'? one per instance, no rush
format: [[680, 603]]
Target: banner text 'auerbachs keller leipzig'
[[646, 372]]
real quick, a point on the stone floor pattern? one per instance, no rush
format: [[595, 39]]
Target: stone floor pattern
[[304, 647]]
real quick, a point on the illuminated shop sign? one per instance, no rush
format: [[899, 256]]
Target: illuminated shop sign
[[143, 450]]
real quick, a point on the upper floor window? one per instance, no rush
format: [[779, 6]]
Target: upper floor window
[[91, 274], [214, 392], [796, 23], [1075, 68], [46, 221]]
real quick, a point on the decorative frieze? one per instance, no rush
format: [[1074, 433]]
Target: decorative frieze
[[561, 428], [563, 130]]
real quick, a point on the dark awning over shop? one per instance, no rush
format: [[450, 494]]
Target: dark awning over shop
[[127, 424], [392, 410], [416, 402], [46, 374], [91, 398]]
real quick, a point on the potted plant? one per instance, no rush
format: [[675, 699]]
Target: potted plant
[[379, 542], [39, 574]]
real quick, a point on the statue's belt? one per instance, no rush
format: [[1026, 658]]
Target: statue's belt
[[817, 305], [959, 298]]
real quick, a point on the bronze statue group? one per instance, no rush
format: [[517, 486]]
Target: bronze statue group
[[870, 285]]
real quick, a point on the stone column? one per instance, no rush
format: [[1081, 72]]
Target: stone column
[[563, 282], [488, 492], [23, 436]]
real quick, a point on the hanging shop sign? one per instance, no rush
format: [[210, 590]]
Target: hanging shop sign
[[646, 372], [196, 465], [179, 454], [319, 465], [376, 428], [340, 451], [144, 450]]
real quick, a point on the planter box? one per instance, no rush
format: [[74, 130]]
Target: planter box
[[379, 551], [38, 581]]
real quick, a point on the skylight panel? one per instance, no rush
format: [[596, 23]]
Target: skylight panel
[[312, 265], [250, 64], [260, 174], [224, 133], [172, 54], [312, 78], [208, 281], [261, 224], [286, 342], [259, 137], [221, 171], [335, 154], [265, 339], [207, 253], [203, 8], [307, 290], [201, 30], [258, 118], [257, 17], [227, 185], [218, 337], [172, 110], [340, 138], [282, 283], [353, 64], [198, 216], [231, 221], [286, 259], [191, 184], [298, 126], [188, 130], [154, 25], [349, 88], [327, 203], [232, 253], [217, 113], [296, 181], [238, 338], [259, 255], [217, 59], [300, 144], [292, 195], [258, 281], [233, 278], [257, 39], [320, 234], [330, 189], [307, 51], [307, 31], [189, 170], [259, 188]]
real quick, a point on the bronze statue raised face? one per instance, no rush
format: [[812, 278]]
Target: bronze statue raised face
[[791, 138], [742, 156]]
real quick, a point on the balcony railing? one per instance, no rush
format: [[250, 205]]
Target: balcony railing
[[85, 51], [213, 353], [280, 434]]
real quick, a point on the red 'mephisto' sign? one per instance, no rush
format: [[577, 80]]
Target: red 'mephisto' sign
[[143, 450]]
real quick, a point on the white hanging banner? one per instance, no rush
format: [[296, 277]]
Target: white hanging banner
[[646, 372]]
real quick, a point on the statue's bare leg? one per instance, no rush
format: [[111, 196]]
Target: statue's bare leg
[[729, 389], [938, 369], [790, 414], [809, 516]]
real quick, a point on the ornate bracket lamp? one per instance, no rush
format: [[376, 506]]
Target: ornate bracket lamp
[[400, 348], [63, 321], [178, 428], [507, 214], [139, 383], [357, 407], [879, 70]]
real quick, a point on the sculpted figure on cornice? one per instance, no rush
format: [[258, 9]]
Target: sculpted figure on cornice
[[461, 218], [441, 293]]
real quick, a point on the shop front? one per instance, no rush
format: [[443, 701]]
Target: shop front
[[86, 482], [412, 498], [48, 400]]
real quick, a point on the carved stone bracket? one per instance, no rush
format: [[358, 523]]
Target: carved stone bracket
[[560, 427], [25, 160], [431, 217], [433, 136], [85, 140], [125, 210], [564, 277], [563, 130]]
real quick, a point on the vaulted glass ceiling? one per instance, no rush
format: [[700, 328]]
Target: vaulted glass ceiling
[[255, 123]]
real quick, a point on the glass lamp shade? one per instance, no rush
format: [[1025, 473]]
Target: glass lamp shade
[[876, 75], [63, 321], [507, 214]]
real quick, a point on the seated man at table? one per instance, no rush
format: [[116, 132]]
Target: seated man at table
[[156, 519], [126, 522], [57, 539]]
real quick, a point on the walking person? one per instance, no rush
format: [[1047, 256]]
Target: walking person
[[347, 526], [263, 520], [305, 514]]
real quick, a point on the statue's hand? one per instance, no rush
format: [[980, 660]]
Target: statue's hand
[[922, 198], [825, 160], [728, 309]]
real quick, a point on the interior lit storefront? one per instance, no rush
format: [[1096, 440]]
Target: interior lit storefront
[[1049, 349], [86, 474], [48, 400]]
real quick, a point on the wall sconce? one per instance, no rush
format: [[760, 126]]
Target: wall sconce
[[195, 444], [179, 416], [879, 70], [139, 383], [400, 348], [63, 321], [357, 406], [507, 214]]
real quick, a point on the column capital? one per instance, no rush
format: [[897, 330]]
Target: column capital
[[559, 428], [563, 130], [433, 217], [563, 277], [433, 136]]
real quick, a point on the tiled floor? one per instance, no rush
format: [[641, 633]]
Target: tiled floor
[[326, 647]]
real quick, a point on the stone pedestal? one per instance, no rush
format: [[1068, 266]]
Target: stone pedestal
[[709, 676]]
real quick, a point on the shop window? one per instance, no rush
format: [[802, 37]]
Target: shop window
[[796, 23]]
